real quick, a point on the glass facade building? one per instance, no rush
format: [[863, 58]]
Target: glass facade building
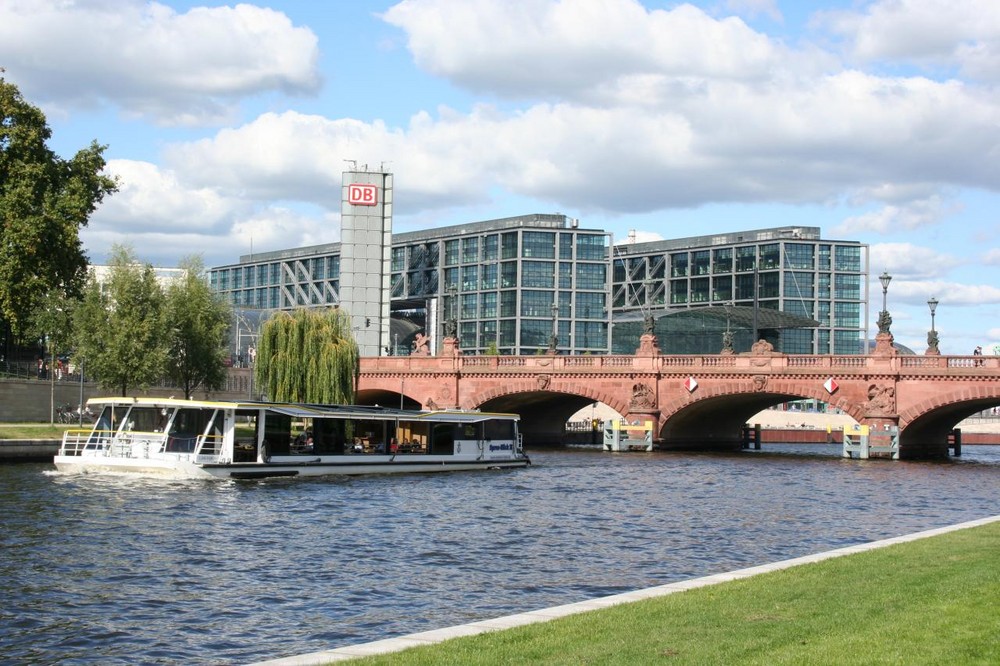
[[521, 285], [696, 288], [515, 284]]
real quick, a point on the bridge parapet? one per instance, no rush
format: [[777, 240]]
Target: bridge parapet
[[683, 363]]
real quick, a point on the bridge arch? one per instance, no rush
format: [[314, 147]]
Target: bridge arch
[[544, 412], [715, 417], [925, 426]]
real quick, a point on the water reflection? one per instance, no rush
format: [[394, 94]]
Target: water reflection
[[121, 570]]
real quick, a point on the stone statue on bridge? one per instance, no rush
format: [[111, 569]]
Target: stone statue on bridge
[[421, 345], [881, 399], [642, 397], [884, 321]]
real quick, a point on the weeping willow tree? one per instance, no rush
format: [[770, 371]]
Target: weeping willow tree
[[308, 355]]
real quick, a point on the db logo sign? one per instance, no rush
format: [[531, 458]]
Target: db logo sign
[[362, 195]]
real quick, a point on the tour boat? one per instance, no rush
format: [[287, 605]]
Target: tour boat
[[254, 440]]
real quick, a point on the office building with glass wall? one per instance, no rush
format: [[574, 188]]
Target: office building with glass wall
[[526, 284], [519, 285], [801, 293]]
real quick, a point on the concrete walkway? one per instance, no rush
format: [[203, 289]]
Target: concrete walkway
[[546, 614]]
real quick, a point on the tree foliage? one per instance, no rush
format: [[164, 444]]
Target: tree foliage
[[44, 201], [197, 325], [308, 355], [118, 327]]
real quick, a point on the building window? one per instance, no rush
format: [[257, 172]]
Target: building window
[[847, 315], [799, 256], [565, 246], [678, 292], [470, 278], [450, 252], [679, 264], [509, 245], [536, 303], [847, 258], [591, 247], [535, 332], [846, 342], [798, 285], [470, 250], [768, 283], [490, 248], [508, 304], [770, 256], [591, 276], [508, 274], [538, 274], [490, 276], [722, 288], [398, 258], [538, 245], [699, 290], [489, 306], [847, 287], [700, 262], [746, 258], [722, 260], [470, 303], [590, 305], [565, 275]]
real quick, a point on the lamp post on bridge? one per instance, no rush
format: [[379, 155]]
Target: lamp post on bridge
[[932, 336], [883, 340]]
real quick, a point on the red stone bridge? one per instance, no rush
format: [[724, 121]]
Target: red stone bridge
[[696, 401]]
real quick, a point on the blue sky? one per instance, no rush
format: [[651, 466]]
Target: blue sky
[[229, 126]]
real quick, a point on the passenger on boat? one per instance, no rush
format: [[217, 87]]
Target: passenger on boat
[[393, 446]]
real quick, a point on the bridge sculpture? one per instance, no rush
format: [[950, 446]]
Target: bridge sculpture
[[697, 401]]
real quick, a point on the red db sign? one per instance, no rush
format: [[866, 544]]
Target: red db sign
[[362, 195]]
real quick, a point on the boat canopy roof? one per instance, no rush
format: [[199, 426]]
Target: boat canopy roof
[[303, 410]]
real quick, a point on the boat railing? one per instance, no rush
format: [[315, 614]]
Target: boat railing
[[209, 448], [75, 441]]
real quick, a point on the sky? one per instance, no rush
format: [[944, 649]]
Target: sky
[[229, 126]]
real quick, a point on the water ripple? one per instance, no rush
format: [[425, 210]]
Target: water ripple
[[118, 570]]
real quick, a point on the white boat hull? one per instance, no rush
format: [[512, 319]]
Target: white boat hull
[[319, 466]]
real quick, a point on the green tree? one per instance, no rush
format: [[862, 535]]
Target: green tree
[[44, 201], [52, 326], [118, 327], [308, 355], [197, 323], [491, 349]]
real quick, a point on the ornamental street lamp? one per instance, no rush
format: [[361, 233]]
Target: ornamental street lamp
[[884, 320], [932, 337]]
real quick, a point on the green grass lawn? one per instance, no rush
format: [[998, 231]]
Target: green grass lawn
[[931, 601], [36, 430]]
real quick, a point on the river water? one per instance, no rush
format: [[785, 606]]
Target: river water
[[119, 570]]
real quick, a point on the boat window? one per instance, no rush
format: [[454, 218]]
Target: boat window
[[443, 439], [185, 428], [499, 429], [104, 426], [278, 434], [146, 419], [469, 431], [328, 436], [246, 435]]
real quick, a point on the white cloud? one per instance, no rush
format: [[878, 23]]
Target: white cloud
[[992, 257], [949, 294], [150, 60], [573, 49], [892, 218], [963, 34], [910, 262]]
